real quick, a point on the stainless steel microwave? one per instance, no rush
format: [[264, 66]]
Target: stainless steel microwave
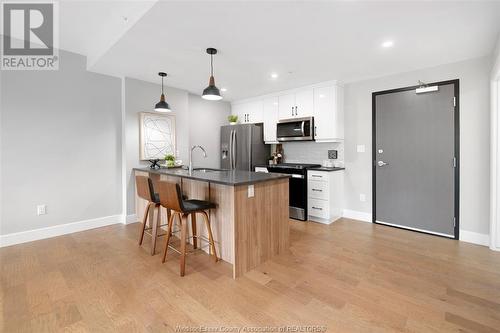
[[296, 129]]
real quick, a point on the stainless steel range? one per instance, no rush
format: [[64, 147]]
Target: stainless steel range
[[298, 186]]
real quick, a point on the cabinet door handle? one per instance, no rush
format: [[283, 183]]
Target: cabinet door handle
[[316, 190], [296, 113], [315, 131], [318, 208], [292, 110], [317, 176]]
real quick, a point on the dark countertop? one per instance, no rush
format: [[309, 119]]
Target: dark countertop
[[326, 169], [315, 169], [232, 178]]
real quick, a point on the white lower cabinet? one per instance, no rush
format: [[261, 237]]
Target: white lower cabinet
[[325, 192]]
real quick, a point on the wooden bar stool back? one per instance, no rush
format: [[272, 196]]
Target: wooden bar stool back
[[145, 190], [171, 198]]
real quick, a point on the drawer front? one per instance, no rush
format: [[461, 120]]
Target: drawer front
[[317, 175], [318, 189], [318, 208]]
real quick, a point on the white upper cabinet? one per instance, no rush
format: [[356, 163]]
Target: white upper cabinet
[[286, 106], [271, 109], [304, 103], [328, 114], [296, 105], [248, 112], [255, 112]]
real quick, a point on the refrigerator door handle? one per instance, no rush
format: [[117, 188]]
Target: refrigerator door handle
[[250, 151], [230, 150], [234, 152]]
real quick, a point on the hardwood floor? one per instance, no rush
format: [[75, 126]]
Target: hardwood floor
[[348, 277]]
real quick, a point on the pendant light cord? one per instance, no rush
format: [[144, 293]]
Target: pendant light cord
[[212, 65], [162, 85]]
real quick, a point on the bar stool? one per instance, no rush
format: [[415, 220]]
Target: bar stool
[[145, 190], [171, 198]]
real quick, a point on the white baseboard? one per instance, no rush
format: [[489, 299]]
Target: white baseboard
[[355, 215], [58, 230], [465, 236], [474, 237], [132, 218]]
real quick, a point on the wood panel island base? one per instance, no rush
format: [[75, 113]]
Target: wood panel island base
[[250, 224]]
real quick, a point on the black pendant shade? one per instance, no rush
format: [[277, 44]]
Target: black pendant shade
[[162, 106], [211, 92]]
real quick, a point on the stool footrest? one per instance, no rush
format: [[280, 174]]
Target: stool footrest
[[188, 252]]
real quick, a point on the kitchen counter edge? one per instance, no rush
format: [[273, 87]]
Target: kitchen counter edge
[[230, 178]]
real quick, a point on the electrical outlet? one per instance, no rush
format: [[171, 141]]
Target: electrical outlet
[[41, 209], [360, 148], [362, 197], [332, 154], [251, 191]]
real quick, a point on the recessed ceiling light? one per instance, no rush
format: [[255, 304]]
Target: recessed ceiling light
[[274, 75], [223, 89], [388, 43]]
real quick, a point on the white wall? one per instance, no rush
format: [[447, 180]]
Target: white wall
[[474, 78], [60, 145], [197, 122]]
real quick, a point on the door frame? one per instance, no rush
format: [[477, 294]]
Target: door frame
[[456, 84]]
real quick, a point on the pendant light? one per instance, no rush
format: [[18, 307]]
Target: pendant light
[[162, 106], [211, 92]]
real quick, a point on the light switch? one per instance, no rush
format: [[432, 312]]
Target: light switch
[[41, 209], [251, 190], [362, 197], [360, 148]]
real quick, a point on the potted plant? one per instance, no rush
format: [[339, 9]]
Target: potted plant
[[233, 119], [170, 160]]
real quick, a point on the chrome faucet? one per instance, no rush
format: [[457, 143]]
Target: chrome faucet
[[191, 157]]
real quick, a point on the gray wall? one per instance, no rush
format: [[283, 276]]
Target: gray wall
[[496, 60], [474, 136], [206, 119], [141, 96], [193, 117], [60, 145]]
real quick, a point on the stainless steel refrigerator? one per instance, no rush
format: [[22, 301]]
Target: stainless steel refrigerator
[[242, 147]]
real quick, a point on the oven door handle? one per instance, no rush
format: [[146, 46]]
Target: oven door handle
[[297, 176], [302, 124]]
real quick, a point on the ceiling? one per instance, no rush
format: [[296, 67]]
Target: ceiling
[[303, 42]]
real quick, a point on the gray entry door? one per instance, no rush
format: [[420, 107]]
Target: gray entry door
[[414, 165]]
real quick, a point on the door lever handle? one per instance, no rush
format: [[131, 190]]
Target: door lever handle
[[381, 163]]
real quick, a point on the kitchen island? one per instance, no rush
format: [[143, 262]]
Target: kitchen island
[[250, 223]]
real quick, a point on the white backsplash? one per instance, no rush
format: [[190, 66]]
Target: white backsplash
[[312, 152]]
